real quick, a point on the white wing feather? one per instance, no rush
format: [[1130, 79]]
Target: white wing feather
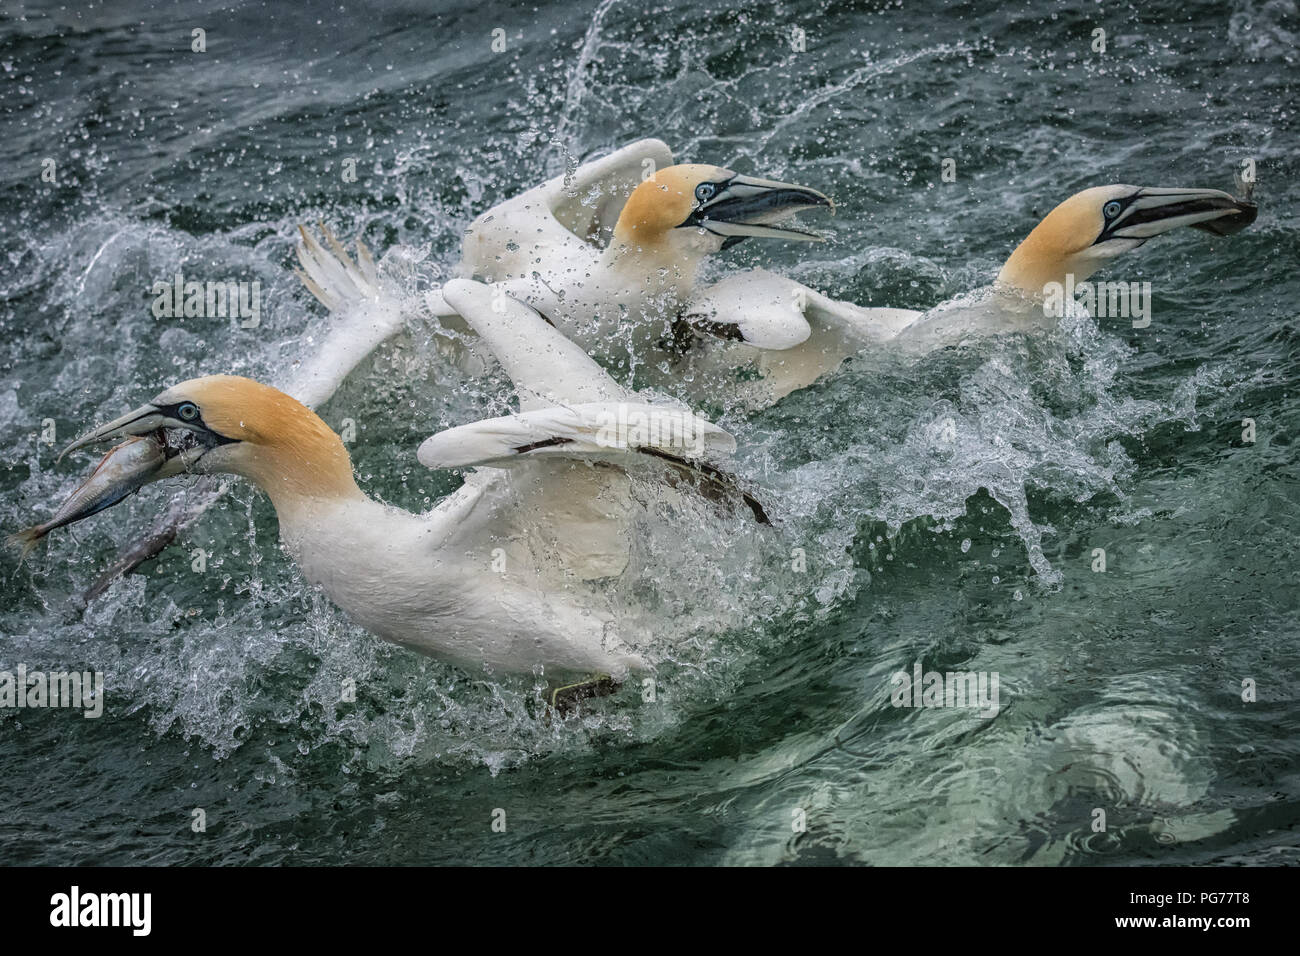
[[568, 214], [363, 314], [773, 312], [794, 334], [547, 368], [590, 429]]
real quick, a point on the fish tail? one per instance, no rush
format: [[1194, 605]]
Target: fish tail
[[25, 540]]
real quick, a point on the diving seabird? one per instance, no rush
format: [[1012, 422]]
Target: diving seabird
[[786, 333], [797, 334], [425, 581], [609, 254]]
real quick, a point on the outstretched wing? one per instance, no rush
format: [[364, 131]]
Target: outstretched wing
[[363, 314], [799, 334], [569, 212], [596, 428], [546, 368], [571, 408]]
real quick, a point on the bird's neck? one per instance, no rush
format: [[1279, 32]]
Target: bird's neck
[[387, 569], [303, 490], [303, 468], [1039, 261], [659, 258], [325, 518], [354, 538], [333, 530]]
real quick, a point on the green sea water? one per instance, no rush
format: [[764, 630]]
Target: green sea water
[[948, 509]]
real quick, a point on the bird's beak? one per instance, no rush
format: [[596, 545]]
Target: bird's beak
[[1153, 211], [158, 445], [183, 443], [746, 206], [142, 421]]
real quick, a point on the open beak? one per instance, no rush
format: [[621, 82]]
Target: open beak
[[746, 206], [142, 421], [1153, 211], [157, 445], [183, 443]]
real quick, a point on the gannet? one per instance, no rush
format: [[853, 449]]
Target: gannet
[[628, 294], [800, 334], [783, 333], [542, 508], [572, 213], [609, 254]]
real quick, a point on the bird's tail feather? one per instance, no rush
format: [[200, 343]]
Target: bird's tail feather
[[331, 275], [363, 313]]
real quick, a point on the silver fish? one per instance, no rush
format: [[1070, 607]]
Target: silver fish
[[123, 471], [1245, 187]]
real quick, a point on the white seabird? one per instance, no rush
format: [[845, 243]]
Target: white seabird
[[656, 222], [797, 335], [609, 254], [426, 581], [780, 334]]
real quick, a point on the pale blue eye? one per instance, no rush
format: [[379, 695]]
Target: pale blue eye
[[188, 411], [704, 191], [1111, 209]]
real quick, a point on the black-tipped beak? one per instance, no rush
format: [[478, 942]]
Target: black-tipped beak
[[183, 442], [142, 421], [1150, 212], [745, 206], [1240, 214]]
